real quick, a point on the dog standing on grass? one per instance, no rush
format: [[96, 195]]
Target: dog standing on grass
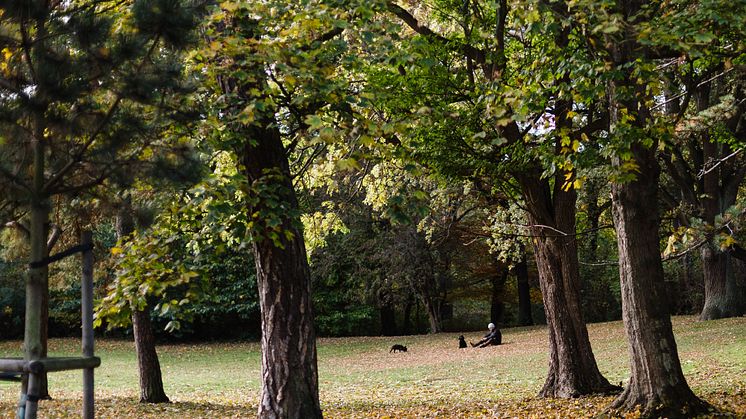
[[398, 348]]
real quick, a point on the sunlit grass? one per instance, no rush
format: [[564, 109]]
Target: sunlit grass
[[358, 377]]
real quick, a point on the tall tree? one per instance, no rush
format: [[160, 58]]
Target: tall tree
[[77, 86], [707, 169], [481, 115], [633, 39], [268, 77]]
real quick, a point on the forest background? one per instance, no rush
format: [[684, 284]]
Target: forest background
[[421, 167]]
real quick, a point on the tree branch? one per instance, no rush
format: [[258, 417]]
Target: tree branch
[[20, 227], [470, 51], [57, 177], [56, 233]]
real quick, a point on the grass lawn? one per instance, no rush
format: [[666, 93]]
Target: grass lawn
[[359, 378]]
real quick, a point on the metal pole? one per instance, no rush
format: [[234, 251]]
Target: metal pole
[[21, 414], [86, 304]]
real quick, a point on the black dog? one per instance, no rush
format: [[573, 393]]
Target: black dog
[[397, 347], [461, 342]]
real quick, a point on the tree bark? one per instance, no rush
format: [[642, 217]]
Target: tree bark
[[572, 367], [35, 343], [151, 382], [433, 313], [525, 317], [721, 296], [37, 282], [148, 366], [657, 383], [711, 188], [290, 387], [721, 291], [289, 366]]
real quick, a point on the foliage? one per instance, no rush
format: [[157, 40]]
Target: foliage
[[87, 81], [176, 260]]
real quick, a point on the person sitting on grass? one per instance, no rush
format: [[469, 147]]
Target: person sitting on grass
[[494, 337]]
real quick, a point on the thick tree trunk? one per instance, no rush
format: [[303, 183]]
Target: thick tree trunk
[[525, 318], [721, 291], [572, 367], [657, 383], [721, 296], [289, 369], [151, 383], [148, 366]]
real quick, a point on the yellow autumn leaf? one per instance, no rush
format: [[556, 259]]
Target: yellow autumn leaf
[[229, 6]]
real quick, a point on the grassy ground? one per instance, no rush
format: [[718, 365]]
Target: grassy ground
[[359, 378]]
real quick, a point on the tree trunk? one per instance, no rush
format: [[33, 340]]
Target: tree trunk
[[36, 293], [572, 367], [525, 318], [388, 319], [151, 383], [686, 306], [407, 320], [497, 307], [721, 295], [37, 282], [148, 366], [433, 314], [721, 298], [657, 383], [289, 370]]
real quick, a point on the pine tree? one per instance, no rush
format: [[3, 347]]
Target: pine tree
[[82, 84]]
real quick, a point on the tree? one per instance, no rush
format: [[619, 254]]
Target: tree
[[485, 118], [707, 170], [631, 38], [78, 83], [148, 366], [259, 76]]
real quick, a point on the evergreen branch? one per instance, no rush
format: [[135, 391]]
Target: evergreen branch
[[13, 88], [56, 178], [53, 237], [25, 44], [15, 182]]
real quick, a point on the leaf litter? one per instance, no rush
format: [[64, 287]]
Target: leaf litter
[[359, 378]]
